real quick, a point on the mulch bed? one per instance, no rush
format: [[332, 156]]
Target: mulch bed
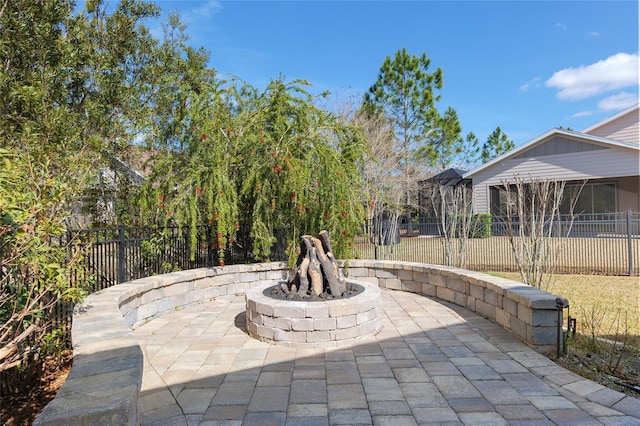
[[22, 408]]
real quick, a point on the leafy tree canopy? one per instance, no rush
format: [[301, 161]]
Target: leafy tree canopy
[[257, 163]]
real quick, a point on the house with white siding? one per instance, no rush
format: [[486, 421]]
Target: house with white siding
[[605, 155]]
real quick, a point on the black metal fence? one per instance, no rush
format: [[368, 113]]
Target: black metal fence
[[116, 255], [590, 244], [607, 244]]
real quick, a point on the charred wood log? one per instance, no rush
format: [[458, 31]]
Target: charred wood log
[[316, 270]]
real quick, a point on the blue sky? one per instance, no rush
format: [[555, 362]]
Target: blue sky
[[526, 66]]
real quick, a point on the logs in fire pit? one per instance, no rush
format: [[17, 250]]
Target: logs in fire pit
[[316, 273]]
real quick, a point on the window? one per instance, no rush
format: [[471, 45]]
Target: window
[[594, 198], [498, 200]]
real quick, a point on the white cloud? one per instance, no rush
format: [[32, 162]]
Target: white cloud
[[618, 102], [582, 114], [594, 34], [534, 83], [615, 72], [561, 26], [206, 10]]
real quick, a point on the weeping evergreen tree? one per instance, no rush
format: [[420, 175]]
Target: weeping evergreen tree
[[267, 164]]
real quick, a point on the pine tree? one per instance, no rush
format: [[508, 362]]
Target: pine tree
[[497, 144]]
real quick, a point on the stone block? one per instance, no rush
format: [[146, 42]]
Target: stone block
[[405, 274], [393, 284], [212, 292], [370, 280], [289, 336], [225, 279], [346, 321], [251, 305], [437, 280], [148, 310], [457, 285], [340, 308], [476, 291], [302, 324], [366, 316], [347, 333], [317, 336], [369, 303], [518, 327], [204, 282], [275, 274], [358, 272], [255, 317], [370, 327], [115, 406], [265, 332], [280, 323], [246, 277], [175, 301], [150, 296], [491, 297], [542, 335], [238, 288], [420, 276], [290, 310], [471, 303], [264, 308], [428, 289], [525, 313], [445, 294], [485, 309], [252, 328], [386, 273], [412, 286], [460, 299], [324, 324], [510, 306], [544, 318], [503, 318], [131, 317], [316, 310]]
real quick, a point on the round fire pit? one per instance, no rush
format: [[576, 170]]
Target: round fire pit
[[314, 323]]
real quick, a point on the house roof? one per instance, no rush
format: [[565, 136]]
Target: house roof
[[449, 177], [551, 133], [612, 118]]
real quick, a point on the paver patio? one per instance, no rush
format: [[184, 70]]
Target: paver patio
[[432, 363]]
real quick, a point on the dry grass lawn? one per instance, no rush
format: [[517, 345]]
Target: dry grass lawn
[[610, 305], [608, 256]]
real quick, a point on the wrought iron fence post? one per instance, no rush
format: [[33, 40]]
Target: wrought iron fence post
[[629, 243], [121, 255]]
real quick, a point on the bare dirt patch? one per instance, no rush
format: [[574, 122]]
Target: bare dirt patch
[[23, 407]]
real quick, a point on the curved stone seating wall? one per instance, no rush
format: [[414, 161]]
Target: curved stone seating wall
[[104, 382], [528, 313]]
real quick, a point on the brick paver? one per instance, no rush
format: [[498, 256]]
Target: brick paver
[[431, 363]]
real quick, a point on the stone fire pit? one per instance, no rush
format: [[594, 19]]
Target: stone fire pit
[[318, 323], [317, 306]]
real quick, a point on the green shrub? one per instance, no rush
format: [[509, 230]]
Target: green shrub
[[480, 225]]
